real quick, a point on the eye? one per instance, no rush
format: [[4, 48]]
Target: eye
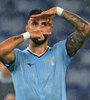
[[34, 23], [44, 23]]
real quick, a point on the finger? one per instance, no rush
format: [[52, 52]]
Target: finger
[[35, 34], [49, 17], [43, 14], [38, 15], [52, 17], [42, 37], [48, 33], [33, 19]]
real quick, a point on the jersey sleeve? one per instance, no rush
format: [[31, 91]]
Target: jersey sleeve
[[18, 59], [62, 53]]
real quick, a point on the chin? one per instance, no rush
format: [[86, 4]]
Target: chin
[[40, 42]]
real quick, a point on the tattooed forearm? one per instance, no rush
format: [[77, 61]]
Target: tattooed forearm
[[80, 24], [76, 39], [8, 45], [18, 37], [74, 43]]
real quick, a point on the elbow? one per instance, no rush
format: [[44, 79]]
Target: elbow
[[3, 51], [88, 30], [2, 54]]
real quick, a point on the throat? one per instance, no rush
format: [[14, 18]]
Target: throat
[[38, 51]]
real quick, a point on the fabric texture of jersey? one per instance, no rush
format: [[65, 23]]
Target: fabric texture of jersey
[[40, 78]]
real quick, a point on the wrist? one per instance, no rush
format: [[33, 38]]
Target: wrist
[[59, 11], [26, 35]]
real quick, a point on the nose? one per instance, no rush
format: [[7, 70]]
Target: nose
[[40, 28]]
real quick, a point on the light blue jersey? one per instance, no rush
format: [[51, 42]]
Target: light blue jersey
[[40, 78]]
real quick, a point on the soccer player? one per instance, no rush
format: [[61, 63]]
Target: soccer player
[[38, 72]]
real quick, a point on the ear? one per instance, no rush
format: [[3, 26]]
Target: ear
[[26, 28]]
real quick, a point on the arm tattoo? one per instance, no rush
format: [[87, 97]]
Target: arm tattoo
[[80, 24], [18, 37], [76, 39], [74, 43]]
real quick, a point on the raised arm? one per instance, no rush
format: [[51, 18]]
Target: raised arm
[[76, 39], [7, 55]]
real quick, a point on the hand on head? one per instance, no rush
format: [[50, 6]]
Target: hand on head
[[51, 13]]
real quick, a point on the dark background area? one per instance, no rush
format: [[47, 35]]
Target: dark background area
[[13, 18]]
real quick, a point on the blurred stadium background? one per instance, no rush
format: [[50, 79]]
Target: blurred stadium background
[[13, 18]]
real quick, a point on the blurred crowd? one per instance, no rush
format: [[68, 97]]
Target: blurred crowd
[[13, 18]]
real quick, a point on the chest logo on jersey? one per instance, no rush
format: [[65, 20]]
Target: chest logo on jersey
[[51, 60]]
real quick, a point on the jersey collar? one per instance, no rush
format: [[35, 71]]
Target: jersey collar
[[37, 54]]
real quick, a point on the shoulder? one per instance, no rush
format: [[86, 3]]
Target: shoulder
[[20, 52], [20, 55], [60, 45], [59, 48]]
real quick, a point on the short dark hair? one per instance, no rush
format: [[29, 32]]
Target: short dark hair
[[34, 12]]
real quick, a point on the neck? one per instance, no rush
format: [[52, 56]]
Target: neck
[[37, 49]]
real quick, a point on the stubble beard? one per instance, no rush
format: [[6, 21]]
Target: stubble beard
[[40, 42]]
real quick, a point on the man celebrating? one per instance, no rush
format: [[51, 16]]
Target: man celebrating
[[38, 72]]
